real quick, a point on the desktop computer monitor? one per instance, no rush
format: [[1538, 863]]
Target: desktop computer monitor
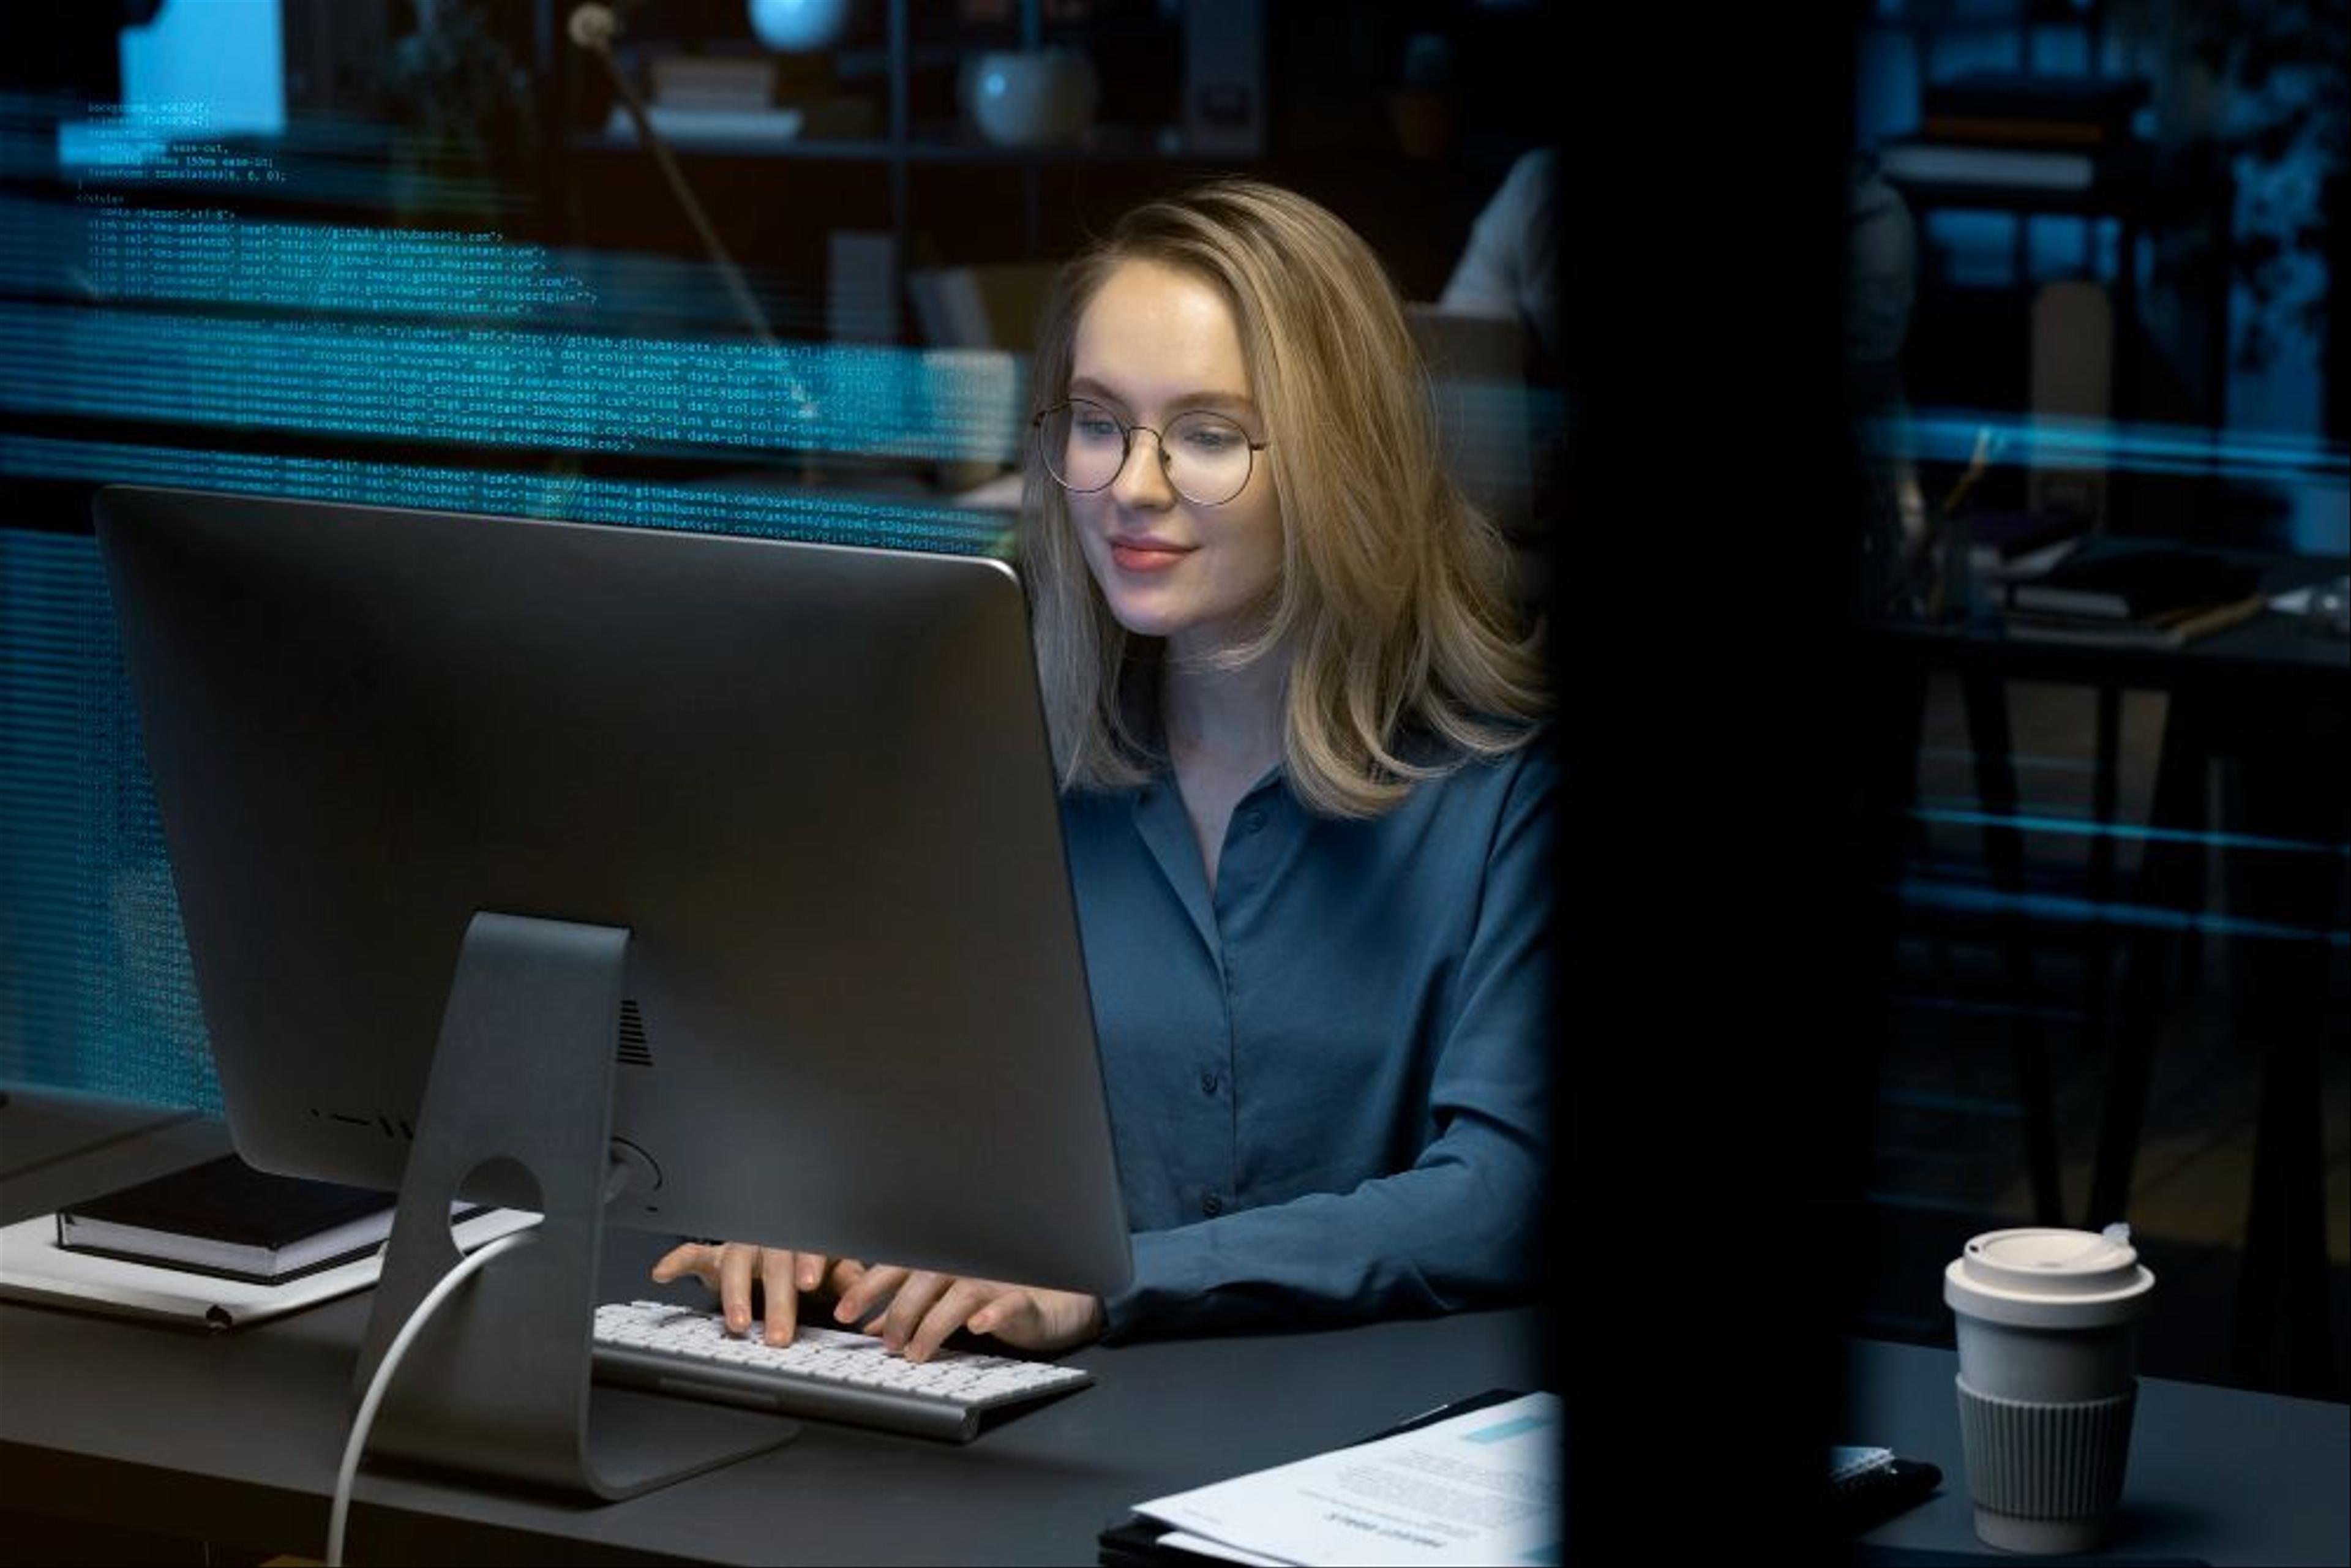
[[696, 884]]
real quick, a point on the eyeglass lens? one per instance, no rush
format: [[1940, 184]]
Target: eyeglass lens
[[1208, 456]]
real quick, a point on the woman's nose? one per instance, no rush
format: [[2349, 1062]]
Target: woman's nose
[[1143, 478]]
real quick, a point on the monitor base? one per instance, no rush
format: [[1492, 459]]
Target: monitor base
[[498, 1383]]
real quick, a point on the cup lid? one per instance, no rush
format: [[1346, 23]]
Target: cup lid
[[2042, 1277]]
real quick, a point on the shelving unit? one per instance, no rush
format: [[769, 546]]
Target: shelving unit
[[2144, 189], [933, 194], [2129, 188], [907, 144]]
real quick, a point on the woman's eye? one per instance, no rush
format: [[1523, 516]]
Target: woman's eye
[[1210, 440], [1098, 429]]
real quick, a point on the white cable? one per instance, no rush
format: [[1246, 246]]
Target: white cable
[[349, 1475], [593, 28]]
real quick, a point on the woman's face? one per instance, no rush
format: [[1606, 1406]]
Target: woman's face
[[1154, 343]]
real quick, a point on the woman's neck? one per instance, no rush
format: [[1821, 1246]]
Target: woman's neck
[[1230, 720]]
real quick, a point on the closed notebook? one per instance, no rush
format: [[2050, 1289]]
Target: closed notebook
[[225, 1218], [2126, 580], [34, 1268], [2175, 629]]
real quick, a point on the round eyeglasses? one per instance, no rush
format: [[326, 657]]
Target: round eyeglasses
[[1206, 458]]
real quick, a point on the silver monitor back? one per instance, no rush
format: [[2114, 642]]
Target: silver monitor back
[[811, 781]]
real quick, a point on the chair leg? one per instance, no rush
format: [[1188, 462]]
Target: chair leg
[[1916, 846], [2163, 887], [2098, 951], [1986, 697], [2291, 783], [2196, 801]]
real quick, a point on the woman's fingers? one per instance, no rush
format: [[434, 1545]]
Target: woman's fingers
[[699, 1259], [953, 1308], [916, 1298], [1030, 1318], [919, 1309], [736, 1264], [730, 1268], [779, 1274], [868, 1291], [1010, 1317]]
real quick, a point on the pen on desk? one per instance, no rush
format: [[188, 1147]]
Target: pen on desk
[[1451, 1407], [1944, 552], [1977, 461], [1433, 1413]]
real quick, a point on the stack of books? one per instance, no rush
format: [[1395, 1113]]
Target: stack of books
[[217, 1246], [2118, 592], [225, 1218], [717, 82], [2040, 132], [695, 98]]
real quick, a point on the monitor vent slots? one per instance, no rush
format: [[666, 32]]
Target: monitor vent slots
[[397, 1128], [634, 1052]]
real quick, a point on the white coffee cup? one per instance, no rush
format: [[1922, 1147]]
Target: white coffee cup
[[2047, 1380]]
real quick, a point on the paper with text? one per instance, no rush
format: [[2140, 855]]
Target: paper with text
[[1480, 1488]]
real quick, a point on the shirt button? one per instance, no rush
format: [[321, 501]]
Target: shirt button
[[1212, 1206], [1252, 820], [1207, 1083]]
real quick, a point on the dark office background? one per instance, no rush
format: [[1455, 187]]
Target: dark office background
[[1800, 1062]]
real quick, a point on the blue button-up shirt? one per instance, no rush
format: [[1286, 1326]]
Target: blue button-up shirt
[[1327, 1078]]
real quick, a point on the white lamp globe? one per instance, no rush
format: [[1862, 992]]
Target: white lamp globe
[[795, 26]]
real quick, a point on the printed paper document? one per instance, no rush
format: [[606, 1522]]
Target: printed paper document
[[1481, 1488]]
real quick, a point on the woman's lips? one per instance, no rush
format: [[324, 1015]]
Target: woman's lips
[[1146, 555]]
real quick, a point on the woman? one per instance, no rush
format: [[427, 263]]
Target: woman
[[1305, 805]]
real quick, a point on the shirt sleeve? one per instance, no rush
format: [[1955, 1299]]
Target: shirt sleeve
[[1509, 266], [1461, 1227]]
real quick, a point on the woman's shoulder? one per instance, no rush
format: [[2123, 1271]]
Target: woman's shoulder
[[1475, 794], [1525, 761]]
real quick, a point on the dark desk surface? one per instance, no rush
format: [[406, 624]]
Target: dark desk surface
[[234, 1438], [2274, 654], [2215, 1473]]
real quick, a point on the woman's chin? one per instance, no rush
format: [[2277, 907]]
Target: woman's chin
[[1145, 619]]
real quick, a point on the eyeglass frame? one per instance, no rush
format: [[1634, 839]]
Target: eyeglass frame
[[1126, 449]]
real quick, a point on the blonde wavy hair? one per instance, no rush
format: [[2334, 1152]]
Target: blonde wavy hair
[[1392, 603]]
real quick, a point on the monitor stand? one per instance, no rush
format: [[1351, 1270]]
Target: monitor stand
[[498, 1384]]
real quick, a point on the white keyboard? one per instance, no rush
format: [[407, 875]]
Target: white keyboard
[[830, 1374]]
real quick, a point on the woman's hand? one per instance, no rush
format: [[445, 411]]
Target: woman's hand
[[924, 1308], [730, 1267]]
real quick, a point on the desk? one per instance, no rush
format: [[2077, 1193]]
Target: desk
[[2286, 657], [2215, 1473], [2272, 695], [234, 1438]]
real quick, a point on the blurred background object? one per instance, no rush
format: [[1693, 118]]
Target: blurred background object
[[799, 27], [2120, 980]]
